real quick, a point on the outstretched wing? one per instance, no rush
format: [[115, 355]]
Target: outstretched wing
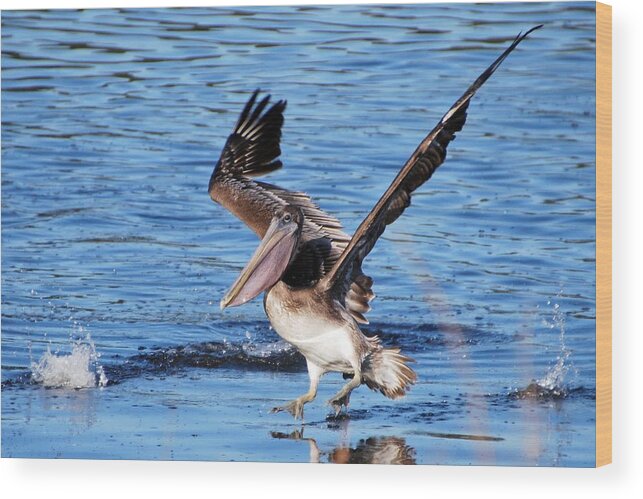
[[418, 169], [252, 149]]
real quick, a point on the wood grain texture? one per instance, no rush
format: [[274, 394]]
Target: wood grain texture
[[603, 234]]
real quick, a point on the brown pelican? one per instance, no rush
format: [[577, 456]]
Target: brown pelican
[[316, 293]]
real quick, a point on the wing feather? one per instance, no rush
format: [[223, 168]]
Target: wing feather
[[253, 149], [428, 156]]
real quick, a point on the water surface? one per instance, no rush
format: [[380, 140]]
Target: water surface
[[113, 252]]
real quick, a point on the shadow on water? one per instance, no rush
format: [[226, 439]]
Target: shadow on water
[[459, 436], [275, 356]]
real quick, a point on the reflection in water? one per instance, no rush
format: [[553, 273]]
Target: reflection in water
[[373, 450], [77, 408], [376, 450]]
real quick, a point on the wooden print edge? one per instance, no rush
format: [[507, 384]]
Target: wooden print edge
[[603, 234]]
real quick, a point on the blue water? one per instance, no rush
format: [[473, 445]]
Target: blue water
[[114, 258]]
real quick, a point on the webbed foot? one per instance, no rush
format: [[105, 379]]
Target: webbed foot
[[338, 402], [296, 408]]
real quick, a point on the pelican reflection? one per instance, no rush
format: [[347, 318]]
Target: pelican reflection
[[372, 450]]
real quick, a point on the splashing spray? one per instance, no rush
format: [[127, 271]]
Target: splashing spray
[[553, 384], [78, 369], [554, 378]]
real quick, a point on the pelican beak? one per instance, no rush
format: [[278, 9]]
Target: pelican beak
[[266, 266]]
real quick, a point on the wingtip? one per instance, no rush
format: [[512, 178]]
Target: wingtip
[[531, 30], [281, 103], [256, 94]]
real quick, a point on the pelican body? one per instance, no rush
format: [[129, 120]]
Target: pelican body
[[316, 294]]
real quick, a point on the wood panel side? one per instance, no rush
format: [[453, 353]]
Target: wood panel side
[[603, 234]]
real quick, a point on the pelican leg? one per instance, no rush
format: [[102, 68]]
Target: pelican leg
[[342, 397], [296, 407]]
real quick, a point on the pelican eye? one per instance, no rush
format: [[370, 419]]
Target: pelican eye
[[287, 217]]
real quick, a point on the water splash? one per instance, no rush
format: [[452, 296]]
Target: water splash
[[265, 350], [554, 378], [554, 383], [78, 369]]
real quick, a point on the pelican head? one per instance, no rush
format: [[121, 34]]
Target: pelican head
[[270, 260]]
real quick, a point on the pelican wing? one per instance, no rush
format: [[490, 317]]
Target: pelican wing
[[252, 149], [428, 156]]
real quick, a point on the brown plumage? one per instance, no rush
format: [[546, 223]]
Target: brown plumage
[[419, 168], [316, 292]]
